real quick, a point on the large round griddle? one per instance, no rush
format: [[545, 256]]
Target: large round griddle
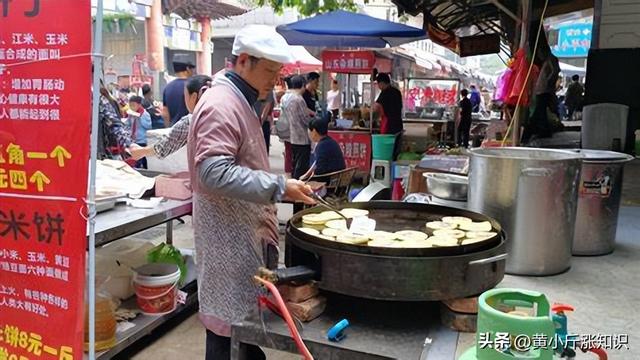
[[399, 274], [396, 216]]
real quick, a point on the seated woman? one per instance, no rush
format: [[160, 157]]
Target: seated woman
[[328, 155], [177, 138]]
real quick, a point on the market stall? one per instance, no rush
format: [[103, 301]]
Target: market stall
[[353, 127], [346, 30], [335, 274], [432, 102]]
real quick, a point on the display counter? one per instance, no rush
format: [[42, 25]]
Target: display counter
[[445, 126]]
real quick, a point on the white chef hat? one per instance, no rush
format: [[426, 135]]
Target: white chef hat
[[263, 42]]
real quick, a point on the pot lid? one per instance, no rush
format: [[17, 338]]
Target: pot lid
[[602, 155], [526, 153]]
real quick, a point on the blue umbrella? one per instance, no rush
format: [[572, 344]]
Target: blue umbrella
[[347, 29]]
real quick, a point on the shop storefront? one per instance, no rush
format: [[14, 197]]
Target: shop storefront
[[124, 37], [181, 37]]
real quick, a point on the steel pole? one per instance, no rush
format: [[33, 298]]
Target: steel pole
[[97, 70], [519, 116]]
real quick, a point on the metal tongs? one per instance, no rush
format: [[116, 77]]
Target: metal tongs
[[326, 204]]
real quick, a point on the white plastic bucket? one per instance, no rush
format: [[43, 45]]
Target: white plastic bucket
[[156, 287]]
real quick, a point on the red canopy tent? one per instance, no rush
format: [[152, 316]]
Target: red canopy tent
[[305, 63]]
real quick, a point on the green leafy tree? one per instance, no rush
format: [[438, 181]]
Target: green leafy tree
[[309, 7]]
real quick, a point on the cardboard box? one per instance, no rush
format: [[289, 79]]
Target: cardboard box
[[308, 310], [298, 293]]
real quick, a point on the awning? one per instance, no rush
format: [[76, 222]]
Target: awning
[[570, 70], [444, 65], [429, 63], [425, 60], [447, 20], [304, 62], [197, 9], [347, 29], [424, 63], [302, 56]]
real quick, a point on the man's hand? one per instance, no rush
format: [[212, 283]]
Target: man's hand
[[156, 111], [297, 190]]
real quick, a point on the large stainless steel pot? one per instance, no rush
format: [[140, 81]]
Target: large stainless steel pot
[[533, 194], [599, 198], [399, 274]]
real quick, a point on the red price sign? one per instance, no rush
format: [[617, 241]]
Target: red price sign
[[45, 111], [352, 62], [356, 148]]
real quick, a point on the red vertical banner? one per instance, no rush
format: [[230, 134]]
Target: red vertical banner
[[356, 148], [45, 111]]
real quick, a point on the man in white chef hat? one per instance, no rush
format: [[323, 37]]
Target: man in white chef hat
[[234, 217]]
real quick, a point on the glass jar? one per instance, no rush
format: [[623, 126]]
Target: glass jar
[[105, 323]]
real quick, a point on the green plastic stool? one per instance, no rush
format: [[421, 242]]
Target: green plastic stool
[[491, 321]]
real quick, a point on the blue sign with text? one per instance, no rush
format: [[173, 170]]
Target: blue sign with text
[[573, 41]]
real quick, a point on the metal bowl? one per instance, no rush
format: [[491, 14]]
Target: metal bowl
[[447, 186]]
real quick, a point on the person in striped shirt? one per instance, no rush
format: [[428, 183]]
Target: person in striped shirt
[[177, 137]]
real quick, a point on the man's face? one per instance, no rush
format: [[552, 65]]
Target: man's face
[[261, 74], [191, 100], [191, 71], [313, 84]]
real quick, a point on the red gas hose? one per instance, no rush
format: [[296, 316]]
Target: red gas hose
[[302, 348]]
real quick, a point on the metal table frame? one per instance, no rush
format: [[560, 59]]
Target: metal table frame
[[379, 330], [123, 221]]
